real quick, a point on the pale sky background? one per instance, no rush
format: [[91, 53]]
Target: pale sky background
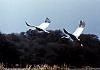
[[62, 13]]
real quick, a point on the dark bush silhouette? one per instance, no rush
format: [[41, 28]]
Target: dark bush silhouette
[[33, 47]]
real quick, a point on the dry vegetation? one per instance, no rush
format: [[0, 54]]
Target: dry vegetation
[[47, 67]]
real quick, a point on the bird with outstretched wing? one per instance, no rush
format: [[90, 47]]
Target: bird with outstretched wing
[[80, 29], [77, 33], [41, 27]]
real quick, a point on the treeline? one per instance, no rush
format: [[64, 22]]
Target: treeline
[[33, 47]]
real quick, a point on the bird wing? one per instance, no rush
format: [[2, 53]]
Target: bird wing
[[65, 31], [43, 26], [71, 35], [65, 36], [28, 24], [80, 29], [47, 20]]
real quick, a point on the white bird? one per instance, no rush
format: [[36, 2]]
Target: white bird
[[80, 29], [77, 33], [41, 27]]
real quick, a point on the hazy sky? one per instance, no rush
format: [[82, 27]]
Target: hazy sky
[[62, 13]]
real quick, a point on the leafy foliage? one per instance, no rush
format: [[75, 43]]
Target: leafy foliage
[[33, 47]]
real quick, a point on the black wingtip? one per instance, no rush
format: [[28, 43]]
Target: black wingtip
[[26, 23], [47, 20], [65, 31], [82, 23]]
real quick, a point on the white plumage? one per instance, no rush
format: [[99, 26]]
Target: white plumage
[[77, 32], [41, 27], [80, 29]]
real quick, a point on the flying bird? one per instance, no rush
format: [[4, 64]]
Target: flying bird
[[77, 33], [80, 29], [41, 27]]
